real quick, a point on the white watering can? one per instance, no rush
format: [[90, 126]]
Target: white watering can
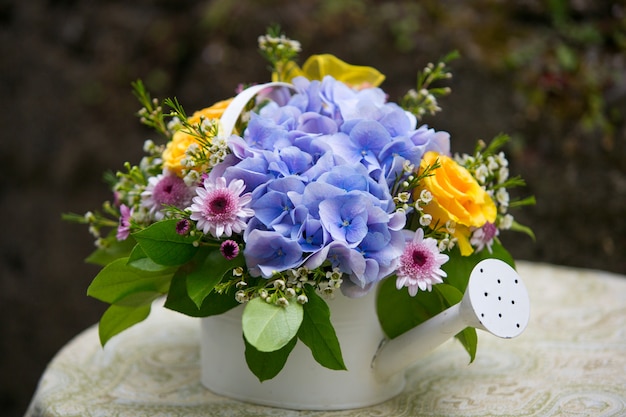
[[496, 301]]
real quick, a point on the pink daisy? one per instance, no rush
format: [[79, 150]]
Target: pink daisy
[[484, 237], [420, 264], [123, 229], [219, 209], [166, 190]]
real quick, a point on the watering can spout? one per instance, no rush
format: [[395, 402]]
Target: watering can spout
[[495, 300]]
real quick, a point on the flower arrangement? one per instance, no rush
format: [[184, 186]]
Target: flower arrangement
[[294, 191]]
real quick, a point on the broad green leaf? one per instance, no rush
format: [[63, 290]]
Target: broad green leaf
[[318, 333], [266, 365], [116, 250], [269, 327], [178, 299], [118, 318], [398, 312], [118, 280], [209, 272], [139, 260], [469, 340], [164, 245]]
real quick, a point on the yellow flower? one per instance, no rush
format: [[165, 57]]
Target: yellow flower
[[175, 150], [457, 197], [317, 67]]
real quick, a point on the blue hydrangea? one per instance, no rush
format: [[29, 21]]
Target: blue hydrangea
[[320, 165]]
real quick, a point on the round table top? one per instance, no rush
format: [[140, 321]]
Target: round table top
[[571, 360]]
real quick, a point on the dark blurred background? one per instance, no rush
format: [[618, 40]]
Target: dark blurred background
[[551, 73]]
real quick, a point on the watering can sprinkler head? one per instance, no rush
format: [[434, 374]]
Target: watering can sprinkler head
[[496, 300]]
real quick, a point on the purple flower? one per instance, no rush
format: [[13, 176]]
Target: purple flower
[[483, 237], [183, 226], [166, 190], [268, 252], [123, 229], [345, 217], [229, 249]]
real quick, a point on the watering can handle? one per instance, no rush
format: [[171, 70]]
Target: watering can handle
[[236, 107]]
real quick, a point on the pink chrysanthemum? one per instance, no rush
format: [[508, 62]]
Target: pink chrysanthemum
[[219, 209], [420, 264], [166, 190], [123, 229], [484, 237]]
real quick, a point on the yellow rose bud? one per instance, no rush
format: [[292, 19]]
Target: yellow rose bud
[[456, 197], [175, 150]]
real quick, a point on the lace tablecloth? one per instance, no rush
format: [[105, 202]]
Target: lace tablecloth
[[570, 361]]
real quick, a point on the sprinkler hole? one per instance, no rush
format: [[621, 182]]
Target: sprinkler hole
[[512, 301], [517, 325], [499, 298], [486, 294], [482, 314], [516, 281], [481, 270], [500, 315], [498, 281]]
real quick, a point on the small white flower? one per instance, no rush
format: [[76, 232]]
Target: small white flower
[[502, 159], [502, 196], [481, 173], [492, 164], [451, 226], [426, 196], [503, 174], [506, 222], [241, 297], [426, 219]]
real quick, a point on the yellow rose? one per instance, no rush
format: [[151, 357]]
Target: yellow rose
[[457, 197], [175, 150], [317, 67]]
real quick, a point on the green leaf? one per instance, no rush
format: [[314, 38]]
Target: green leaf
[[269, 327], [139, 260], [398, 312], [164, 245], [118, 318], [115, 250], [202, 279], [318, 333], [469, 340], [118, 280], [266, 365], [517, 227], [214, 304]]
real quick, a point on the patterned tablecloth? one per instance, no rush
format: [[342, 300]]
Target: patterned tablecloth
[[570, 361]]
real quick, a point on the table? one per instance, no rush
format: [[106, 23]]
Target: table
[[570, 361]]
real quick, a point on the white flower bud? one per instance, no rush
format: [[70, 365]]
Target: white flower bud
[[426, 219]]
